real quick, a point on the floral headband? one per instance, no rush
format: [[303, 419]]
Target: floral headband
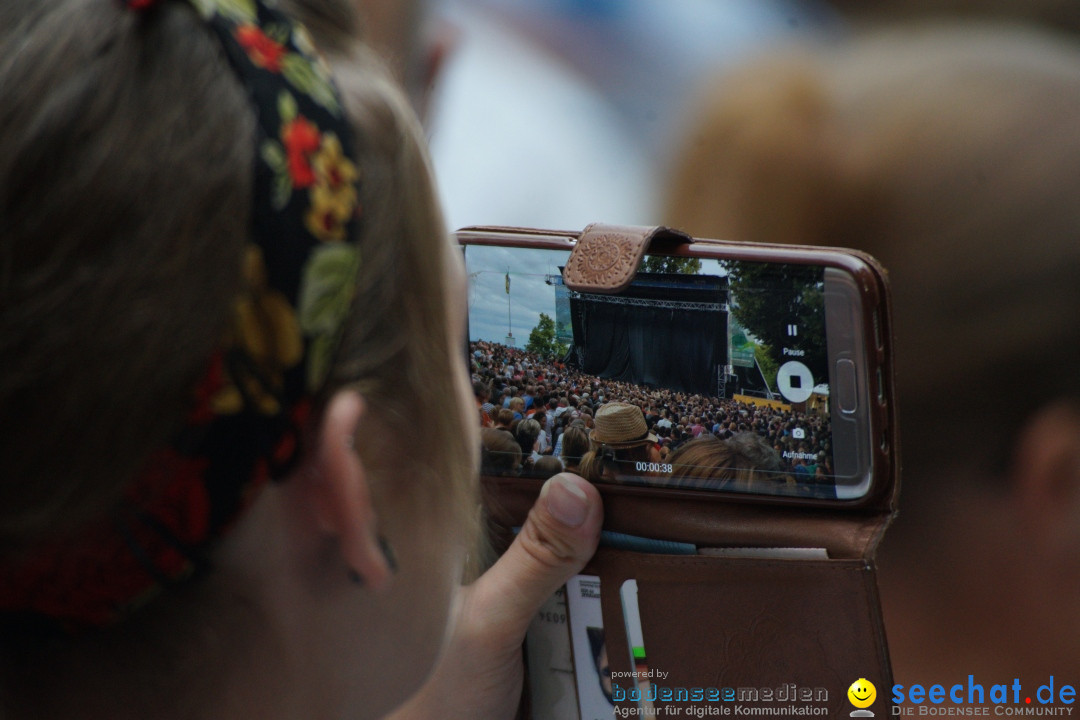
[[250, 408]]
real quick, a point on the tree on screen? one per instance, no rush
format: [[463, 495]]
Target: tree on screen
[[677, 265], [542, 340], [782, 306], [767, 363]]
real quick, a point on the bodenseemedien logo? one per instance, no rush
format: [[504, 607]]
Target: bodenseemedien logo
[[787, 699]]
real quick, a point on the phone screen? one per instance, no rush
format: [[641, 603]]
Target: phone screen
[[705, 374]]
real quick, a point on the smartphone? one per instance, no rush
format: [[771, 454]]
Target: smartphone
[[722, 368]]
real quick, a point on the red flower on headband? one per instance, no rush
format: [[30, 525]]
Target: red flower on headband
[[264, 51], [173, 491], [209, 386], [301, 138]]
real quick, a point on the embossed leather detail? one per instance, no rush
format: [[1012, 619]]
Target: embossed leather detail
[[603, 262], [606, 257]]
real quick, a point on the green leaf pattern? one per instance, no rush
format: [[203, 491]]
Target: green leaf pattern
[[304, 75], [326, 294], [306, 70], [287, 107], [238, 11], [303, 42], [278, 33], [274, 155]]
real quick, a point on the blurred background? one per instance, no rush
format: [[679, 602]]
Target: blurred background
[[557, 113], [942, 136]]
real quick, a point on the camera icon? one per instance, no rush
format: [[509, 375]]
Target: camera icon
[[798, 433]]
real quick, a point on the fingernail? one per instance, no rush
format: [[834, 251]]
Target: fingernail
[[565, 501]]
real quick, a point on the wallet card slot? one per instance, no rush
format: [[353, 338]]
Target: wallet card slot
[[733, 622]]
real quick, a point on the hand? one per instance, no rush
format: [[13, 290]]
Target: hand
[[481, 672]]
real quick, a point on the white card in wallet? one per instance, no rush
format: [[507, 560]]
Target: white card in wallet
[[551, 666], [590, 649]]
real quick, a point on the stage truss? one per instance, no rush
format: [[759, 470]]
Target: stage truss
[[643, 302]]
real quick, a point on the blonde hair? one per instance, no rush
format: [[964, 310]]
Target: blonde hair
[[744, 462], [949, 152], [124, 213], [605, 463], [125, 186], [120, 253]]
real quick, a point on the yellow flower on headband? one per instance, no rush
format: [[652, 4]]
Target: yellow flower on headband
[[334, 200], [265, 327]]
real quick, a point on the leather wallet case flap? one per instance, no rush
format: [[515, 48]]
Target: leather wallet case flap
[[607, 257]]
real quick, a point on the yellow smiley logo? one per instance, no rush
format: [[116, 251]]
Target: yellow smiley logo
[[862, 693]]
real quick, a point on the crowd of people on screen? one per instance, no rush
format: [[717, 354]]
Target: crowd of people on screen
[[540, 417]]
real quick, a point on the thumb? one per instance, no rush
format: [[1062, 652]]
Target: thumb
[[558, 538]]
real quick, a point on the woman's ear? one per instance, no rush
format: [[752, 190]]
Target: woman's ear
[[1046, 475], [338, 489]]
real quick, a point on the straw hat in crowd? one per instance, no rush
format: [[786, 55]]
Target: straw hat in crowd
[[621, 425]]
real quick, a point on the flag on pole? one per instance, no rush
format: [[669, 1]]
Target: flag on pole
[[507, 283]]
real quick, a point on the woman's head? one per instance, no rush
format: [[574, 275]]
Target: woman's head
[[481, 391], [501, 452], [575, 443], [546, 466], [125, 206], [528, 431], [620, 437], [743, 463]]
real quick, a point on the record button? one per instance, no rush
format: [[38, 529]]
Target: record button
[[795, 382]]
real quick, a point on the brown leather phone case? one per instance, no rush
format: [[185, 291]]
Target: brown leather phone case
[[736, 622]]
